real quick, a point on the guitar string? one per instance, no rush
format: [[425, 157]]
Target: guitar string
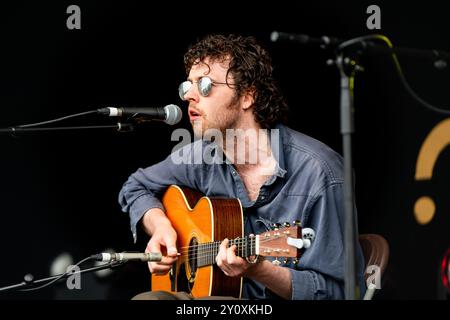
[[211, 258], [238, 241], [210, 251], [242, 239], [215, 245], [207, 251]]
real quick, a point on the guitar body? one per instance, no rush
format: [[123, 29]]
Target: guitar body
[[198, 219]]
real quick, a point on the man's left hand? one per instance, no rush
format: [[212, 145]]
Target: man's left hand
[[230, 263]]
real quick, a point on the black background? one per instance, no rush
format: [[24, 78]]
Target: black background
[[58, 191]]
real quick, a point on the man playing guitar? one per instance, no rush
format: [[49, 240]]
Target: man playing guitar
[[277, 174]]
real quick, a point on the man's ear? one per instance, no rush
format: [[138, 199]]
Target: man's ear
[[248, 98]]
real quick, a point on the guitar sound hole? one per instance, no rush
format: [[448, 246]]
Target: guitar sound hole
[[193, 251]]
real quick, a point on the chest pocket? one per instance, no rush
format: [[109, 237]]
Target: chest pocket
[[257, 225]]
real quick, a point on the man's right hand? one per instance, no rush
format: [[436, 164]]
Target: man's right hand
[[163, 239]]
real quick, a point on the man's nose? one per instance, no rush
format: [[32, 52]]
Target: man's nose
[[192, 94]]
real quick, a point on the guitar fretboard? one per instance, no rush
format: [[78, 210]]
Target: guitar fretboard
[[205, 254]]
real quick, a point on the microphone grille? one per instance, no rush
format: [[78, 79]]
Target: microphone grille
[[173, 114]]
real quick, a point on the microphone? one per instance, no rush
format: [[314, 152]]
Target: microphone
[[323, 42], [170, 114], [127, 256]]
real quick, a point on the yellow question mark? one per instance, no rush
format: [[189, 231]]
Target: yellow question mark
[[436, 141]]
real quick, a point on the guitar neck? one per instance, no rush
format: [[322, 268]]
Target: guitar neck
[[205, 254]]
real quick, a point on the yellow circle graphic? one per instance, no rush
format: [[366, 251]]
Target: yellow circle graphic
[[424, 210]]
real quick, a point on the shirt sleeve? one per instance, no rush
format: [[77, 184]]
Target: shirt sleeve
[[320, 274], [144, 188]]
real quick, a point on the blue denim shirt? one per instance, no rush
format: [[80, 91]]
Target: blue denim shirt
[[307, 185]]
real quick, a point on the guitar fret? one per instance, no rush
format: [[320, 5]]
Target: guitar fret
[[241, 249], [241, 245], [246, 246], [210, 252], [205, 253], [216, 247], [199, 254], [254, 246]]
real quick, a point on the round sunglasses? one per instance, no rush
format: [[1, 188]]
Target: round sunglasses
[[204, 85]]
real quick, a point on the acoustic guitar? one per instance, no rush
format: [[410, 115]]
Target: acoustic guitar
[[201, 224]]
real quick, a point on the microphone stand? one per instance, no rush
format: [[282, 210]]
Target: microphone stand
[[120, 127], [348, 66], [347, 71], [29, 281], [170, 114]]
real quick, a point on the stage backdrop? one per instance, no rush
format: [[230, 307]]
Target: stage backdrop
[[59, 190]]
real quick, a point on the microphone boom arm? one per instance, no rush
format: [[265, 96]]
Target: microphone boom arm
[[29, 281]]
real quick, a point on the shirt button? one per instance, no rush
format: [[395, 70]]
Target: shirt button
[[263, 197], [233, 173]]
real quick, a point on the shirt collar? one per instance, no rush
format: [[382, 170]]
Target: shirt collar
[[277, 135]]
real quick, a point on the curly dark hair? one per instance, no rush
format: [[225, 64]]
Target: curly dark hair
[[251, 67]]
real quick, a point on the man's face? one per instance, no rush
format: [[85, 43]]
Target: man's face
[[221, 108]]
